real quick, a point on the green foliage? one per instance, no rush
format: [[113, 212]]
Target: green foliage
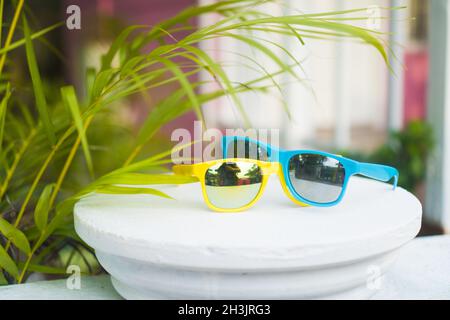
[[70, 100], [41, 103], [42, 207], [3, 106], [54, 143], [7, 263], [407, 150], [15, 236]]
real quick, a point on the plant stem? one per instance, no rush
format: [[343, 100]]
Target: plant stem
[[1, 20], [34, 36], [36, 181], [133, 155], [38, 178], [19, 155], [27, 263], [68, 162], [56, 190], [11, 33]]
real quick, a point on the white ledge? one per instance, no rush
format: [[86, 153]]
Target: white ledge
[[420, 272], [159, 248]]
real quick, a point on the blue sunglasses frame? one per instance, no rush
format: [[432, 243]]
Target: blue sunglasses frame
[[352, 167]]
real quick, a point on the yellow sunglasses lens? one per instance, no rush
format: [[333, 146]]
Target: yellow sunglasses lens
[[232, 185]]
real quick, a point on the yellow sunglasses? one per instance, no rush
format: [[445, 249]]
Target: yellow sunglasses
[[230, 185]]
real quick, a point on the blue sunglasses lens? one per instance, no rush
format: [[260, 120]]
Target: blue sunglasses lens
[[316, 178]]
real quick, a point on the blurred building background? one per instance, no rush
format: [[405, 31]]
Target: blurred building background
[[350, 102], [350, 99]]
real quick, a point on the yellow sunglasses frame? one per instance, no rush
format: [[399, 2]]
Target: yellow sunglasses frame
[[198, 170]]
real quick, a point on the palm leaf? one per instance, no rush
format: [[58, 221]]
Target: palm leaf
[[119, 190], [3, 280], [7, 263], [1, 29], [33, 36], [185, 84], [116, 45], [42, 207], [15, 236], [41, 102], [143, 179], [70, 100], [3, 106], [44, 269]]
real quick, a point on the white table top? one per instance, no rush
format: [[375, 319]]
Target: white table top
[[420, 272], [275, 233]]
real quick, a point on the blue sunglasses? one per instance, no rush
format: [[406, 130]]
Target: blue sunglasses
[[311, 177]]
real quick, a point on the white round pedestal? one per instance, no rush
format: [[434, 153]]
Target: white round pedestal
[[158, 248]]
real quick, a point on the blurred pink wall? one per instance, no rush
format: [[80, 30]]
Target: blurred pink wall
[[416, 83], [146, 12]]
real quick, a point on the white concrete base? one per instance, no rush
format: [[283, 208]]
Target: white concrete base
[[136, 280], [157, 248], [419, 272]]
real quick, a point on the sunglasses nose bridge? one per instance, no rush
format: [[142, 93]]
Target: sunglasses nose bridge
[[272, 168]]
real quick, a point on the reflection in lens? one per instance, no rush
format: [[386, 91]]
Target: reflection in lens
[[316, 178], [246, 149], [231, 185]]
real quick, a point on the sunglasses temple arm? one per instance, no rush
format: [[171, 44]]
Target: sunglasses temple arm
[[378, 172], [183, 170]]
